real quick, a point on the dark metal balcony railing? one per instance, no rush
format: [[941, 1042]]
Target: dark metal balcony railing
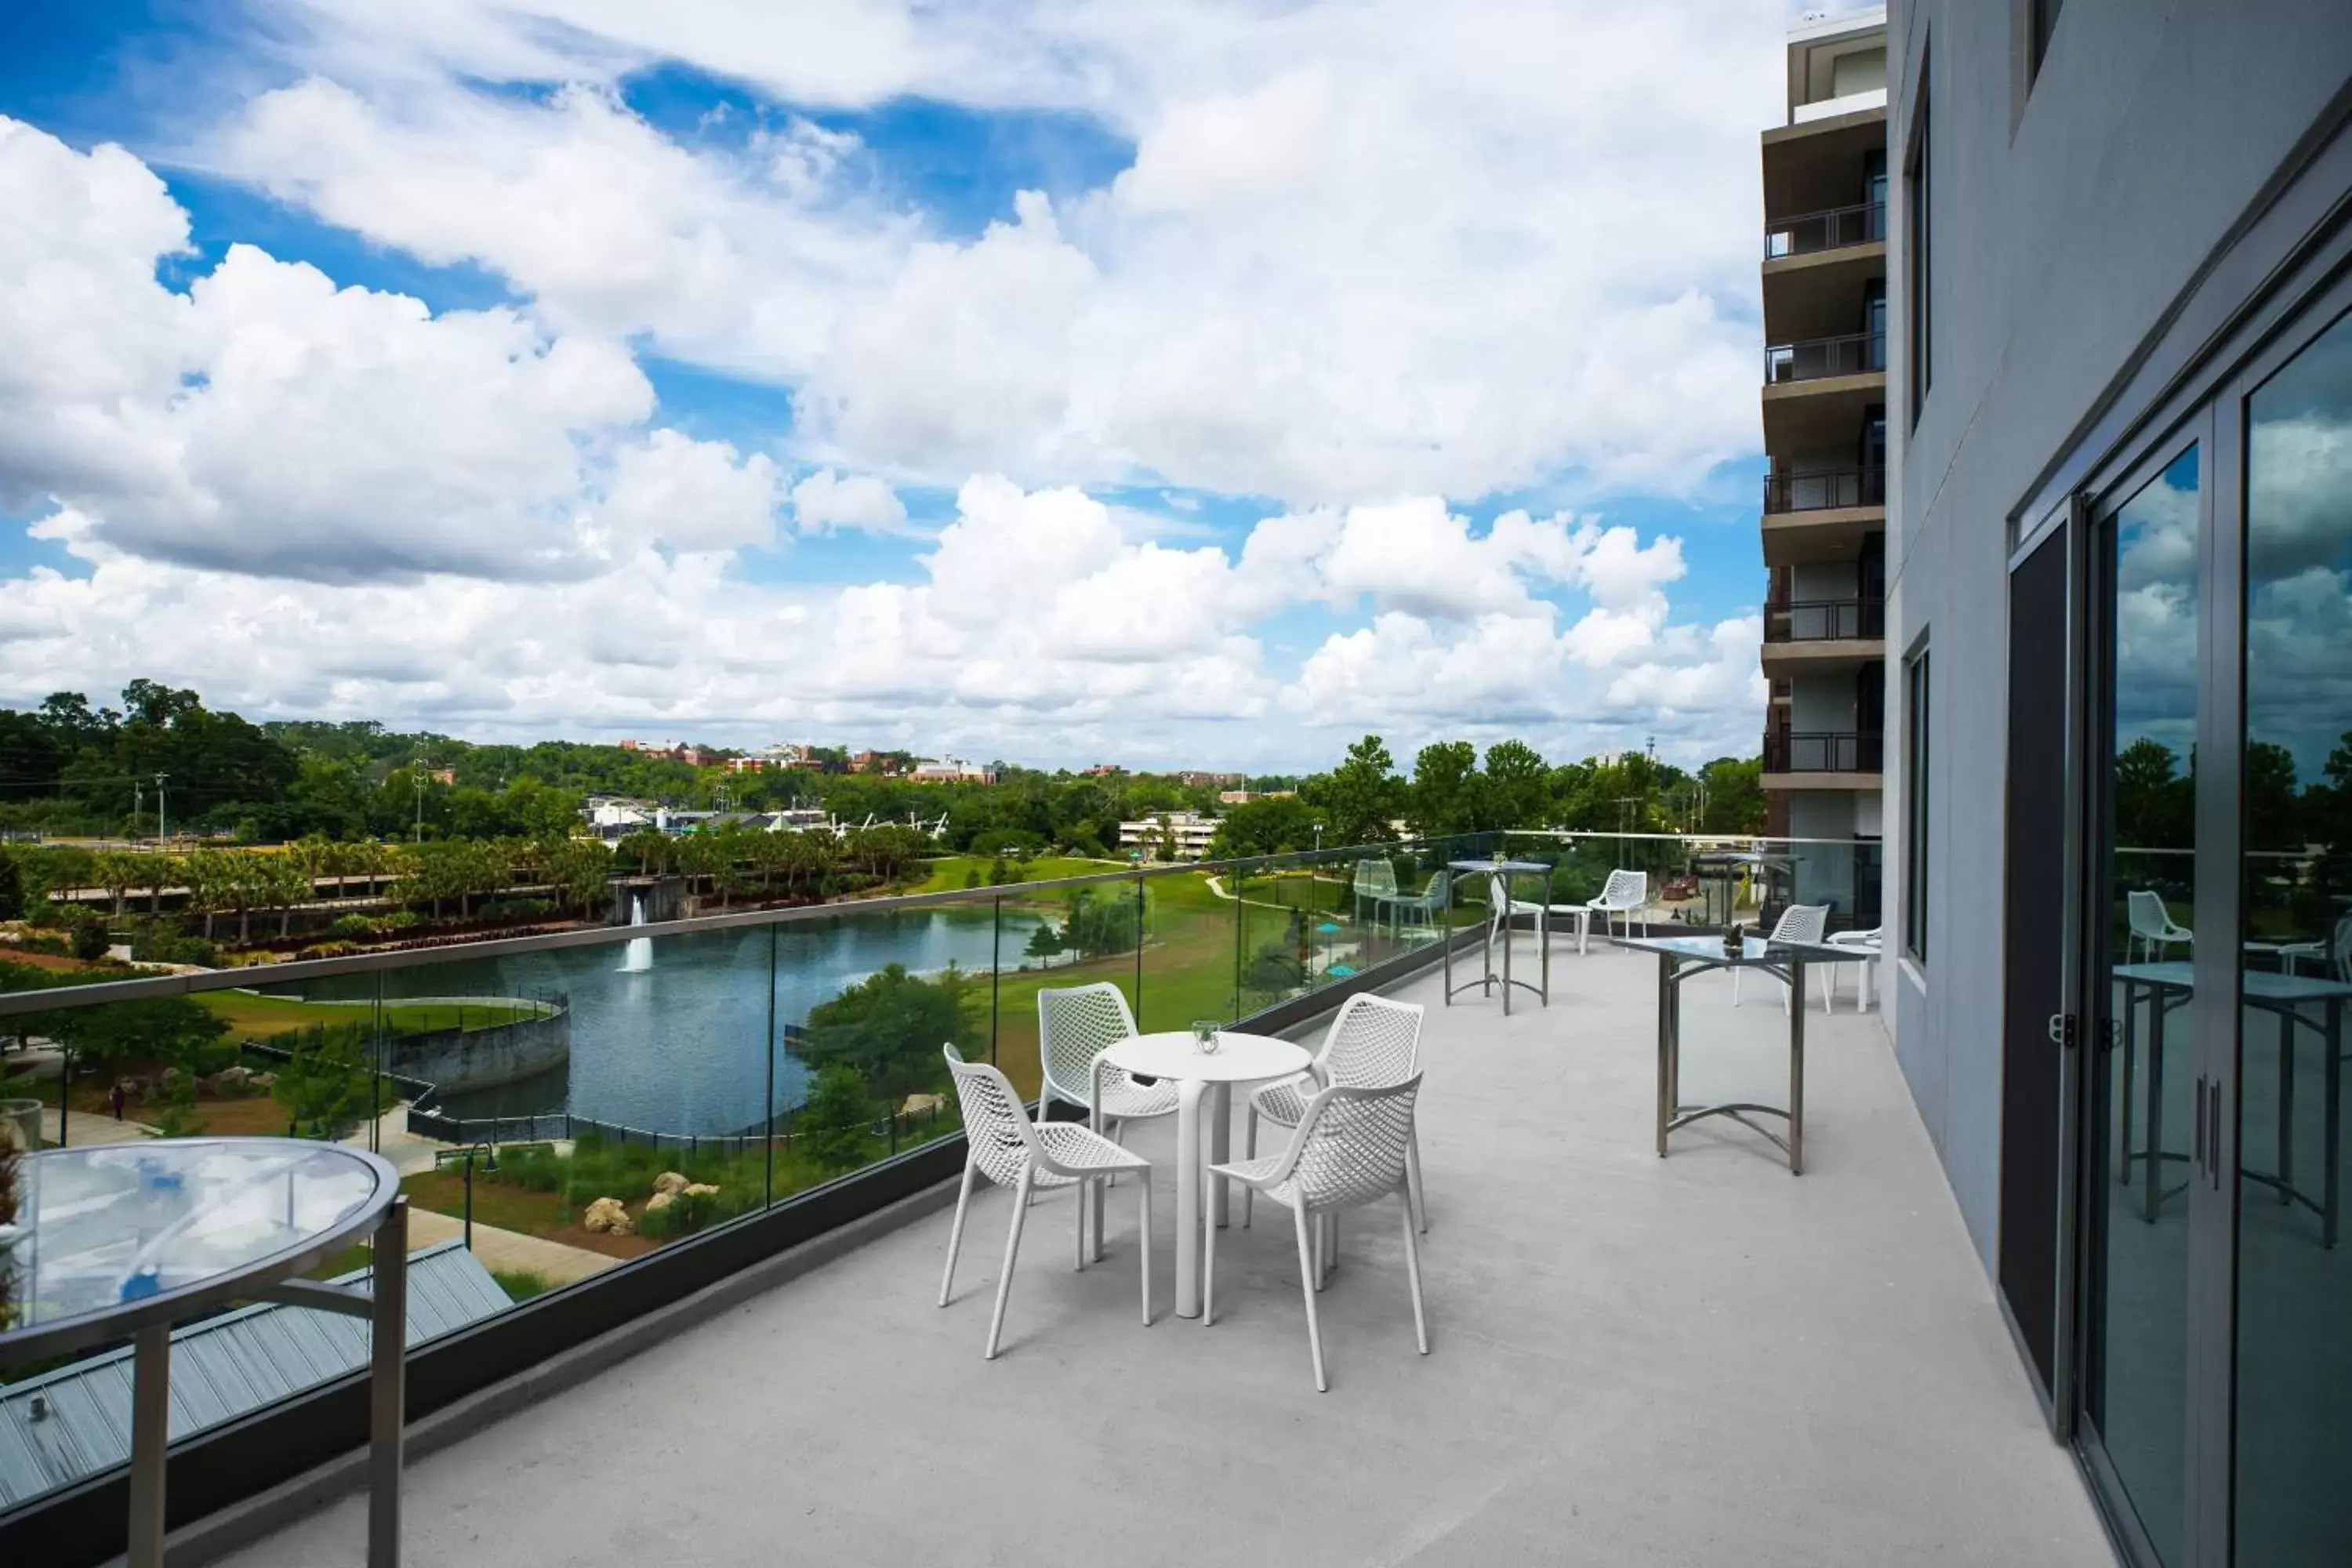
[[1825, 620], [1810, 232], [1823, 490], [1814, 358], [1822, 752]]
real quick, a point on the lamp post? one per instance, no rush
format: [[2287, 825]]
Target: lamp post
[[162, 833]]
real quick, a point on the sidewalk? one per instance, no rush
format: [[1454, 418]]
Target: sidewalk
[[509, 1250], [90, 1129]]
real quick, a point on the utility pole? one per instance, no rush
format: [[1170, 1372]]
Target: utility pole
[[416, 772], [162, 835], [138, 805]]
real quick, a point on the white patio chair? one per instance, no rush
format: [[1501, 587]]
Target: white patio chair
[[1424, 907], [1867, 947], [1373, 1042], [1624, 894], [2152, 930], [2333, 955], [1374, 881], [1350, 1148], [1013, 1151], [1076, 1025], [1798, 923]]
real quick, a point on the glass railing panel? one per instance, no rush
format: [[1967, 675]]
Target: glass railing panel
[[1187, 970], [1056, 937], [863, 1001]]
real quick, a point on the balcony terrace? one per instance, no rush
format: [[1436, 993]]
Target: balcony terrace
[[1634, 1361], [1822, 637], [1822, 513], [1649, 1361]]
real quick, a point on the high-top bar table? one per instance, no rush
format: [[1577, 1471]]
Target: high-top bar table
[[129, 1238], [2171, 984], [1682, 957], [1505, 869]]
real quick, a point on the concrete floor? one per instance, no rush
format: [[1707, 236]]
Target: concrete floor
[[1702, 1360]]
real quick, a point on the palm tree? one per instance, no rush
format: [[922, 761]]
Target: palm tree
[[283, 880]]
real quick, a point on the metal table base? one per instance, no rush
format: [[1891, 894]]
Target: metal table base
[[1673, 969]]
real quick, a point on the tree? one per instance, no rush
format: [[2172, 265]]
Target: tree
[[1516, 791], [1099, 924], [2155, 807], [325, 1082], [1044, 944], [1734, 795], [653, 850], [836, 1125], [1274, 826], [1360, 796], [1445, 789], [889, 1027]]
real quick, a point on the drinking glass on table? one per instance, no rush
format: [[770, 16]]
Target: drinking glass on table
[[1205, 1036]]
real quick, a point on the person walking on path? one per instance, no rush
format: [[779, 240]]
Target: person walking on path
[[114, 1099]]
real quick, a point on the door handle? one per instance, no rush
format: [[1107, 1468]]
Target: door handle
[[2061, 1030], [2213, 1140], [2197, 1130]]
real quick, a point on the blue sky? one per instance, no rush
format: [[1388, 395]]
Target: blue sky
[[1157, 382]]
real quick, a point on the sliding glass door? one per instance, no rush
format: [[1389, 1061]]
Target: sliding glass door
[[2146, 586], [2294, 1279]]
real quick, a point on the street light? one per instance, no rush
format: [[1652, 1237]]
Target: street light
[[161, 835]]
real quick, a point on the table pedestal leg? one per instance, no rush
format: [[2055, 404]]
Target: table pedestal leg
[[1221, 1149], [1665, 1023], [1797, 1069], [388, 1380], [151, 1414], [1187, 1197]]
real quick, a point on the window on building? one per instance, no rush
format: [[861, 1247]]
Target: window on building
[[1915, 805], [1917, 241]]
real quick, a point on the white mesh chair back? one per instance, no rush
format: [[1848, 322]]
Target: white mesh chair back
[[1801, 922], [1373, 1042], [2145, 908], [1353, 1144], [994, 1122], [1432, 891], [1075, 1026], [1375, 877], [1625, 891], [2340, 949]]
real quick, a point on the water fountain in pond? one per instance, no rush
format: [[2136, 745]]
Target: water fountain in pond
[[638, 956]]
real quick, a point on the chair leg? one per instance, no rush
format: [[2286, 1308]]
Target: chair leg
[[1412, 1273], [955, 1235], [1143, 1247], [1249, 1152], [1209, 1277], [1085, 1191], [1012, 1251], [1413, 1193], [1319, 1252], [1307, 1287], [1735, 987]]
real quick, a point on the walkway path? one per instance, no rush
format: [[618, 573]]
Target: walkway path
[[90, 1129], [509, 1251]]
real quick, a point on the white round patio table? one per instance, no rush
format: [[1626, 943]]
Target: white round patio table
[[1239, 1058]]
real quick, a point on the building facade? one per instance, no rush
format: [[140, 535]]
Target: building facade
[[1188, 834], [2119, 570], [1824, 503]]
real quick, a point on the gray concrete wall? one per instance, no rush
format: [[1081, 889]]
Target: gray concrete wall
[[2066, 222], [455, 1060]]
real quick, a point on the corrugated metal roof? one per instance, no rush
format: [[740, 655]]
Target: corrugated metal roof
[[221, 1368]]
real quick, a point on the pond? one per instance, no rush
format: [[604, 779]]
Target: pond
[[674, 1037]]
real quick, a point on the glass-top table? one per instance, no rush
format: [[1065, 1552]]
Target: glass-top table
[[1682, 957], [125, 1239]]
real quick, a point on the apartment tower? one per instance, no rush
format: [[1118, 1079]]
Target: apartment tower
[[1824, 399]]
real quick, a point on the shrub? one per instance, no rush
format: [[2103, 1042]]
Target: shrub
[[89, 939], [326, 950], [522, 1284], [352, 925], [158, 941]]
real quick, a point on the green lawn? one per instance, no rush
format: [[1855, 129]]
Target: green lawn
[[954, 873], [253, 1016]]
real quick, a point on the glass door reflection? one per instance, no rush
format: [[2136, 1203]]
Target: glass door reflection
[[2293, 1385], [2136, 1377]]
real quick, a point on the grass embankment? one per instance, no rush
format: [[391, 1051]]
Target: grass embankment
[[955, 873], [253, 1016]]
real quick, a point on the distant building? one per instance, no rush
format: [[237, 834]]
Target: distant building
[[1243, 797], [442, 777], [675, 750], [1102, 770], [951, 770], [1190, 832], [746, 764], [876, 763], [1193, 779]]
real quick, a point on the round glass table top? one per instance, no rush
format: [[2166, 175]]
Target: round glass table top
[[1238, 1058], [123, 1229]]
